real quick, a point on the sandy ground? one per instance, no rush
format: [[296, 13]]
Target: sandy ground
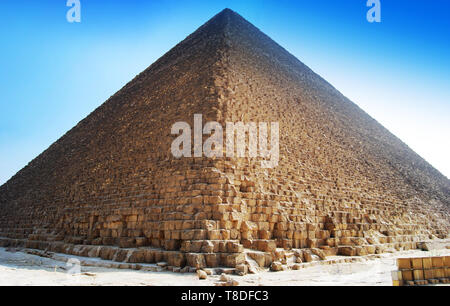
[[19, 268]]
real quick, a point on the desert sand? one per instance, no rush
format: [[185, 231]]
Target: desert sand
[[20, 268]]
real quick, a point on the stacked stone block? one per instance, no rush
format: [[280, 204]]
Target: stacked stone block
[[422, 271]]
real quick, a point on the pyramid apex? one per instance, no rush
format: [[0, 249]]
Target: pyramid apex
[[228, 14], [227, 11]]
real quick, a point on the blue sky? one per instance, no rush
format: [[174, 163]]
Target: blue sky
[[54, 73]]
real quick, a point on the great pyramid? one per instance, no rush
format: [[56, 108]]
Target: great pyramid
[[111, 188]]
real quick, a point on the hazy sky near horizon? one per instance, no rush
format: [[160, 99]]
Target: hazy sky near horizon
[[54, 73]]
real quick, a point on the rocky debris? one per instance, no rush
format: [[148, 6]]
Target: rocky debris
[[321, 254], [227, 281], [254, 267], [241, 269], [347, 251], [277, 266], [185, 269], [280, 255], [208, 271], [89, 274], [296, 267], [309, 256], [253, 270], [220, 271], [202, 274], [434, 245], [257, 257]]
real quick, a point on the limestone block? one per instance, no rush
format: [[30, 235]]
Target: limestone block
[[196, 260]]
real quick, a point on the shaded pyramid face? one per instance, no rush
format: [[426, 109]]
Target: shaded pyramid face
[[344, 184]]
